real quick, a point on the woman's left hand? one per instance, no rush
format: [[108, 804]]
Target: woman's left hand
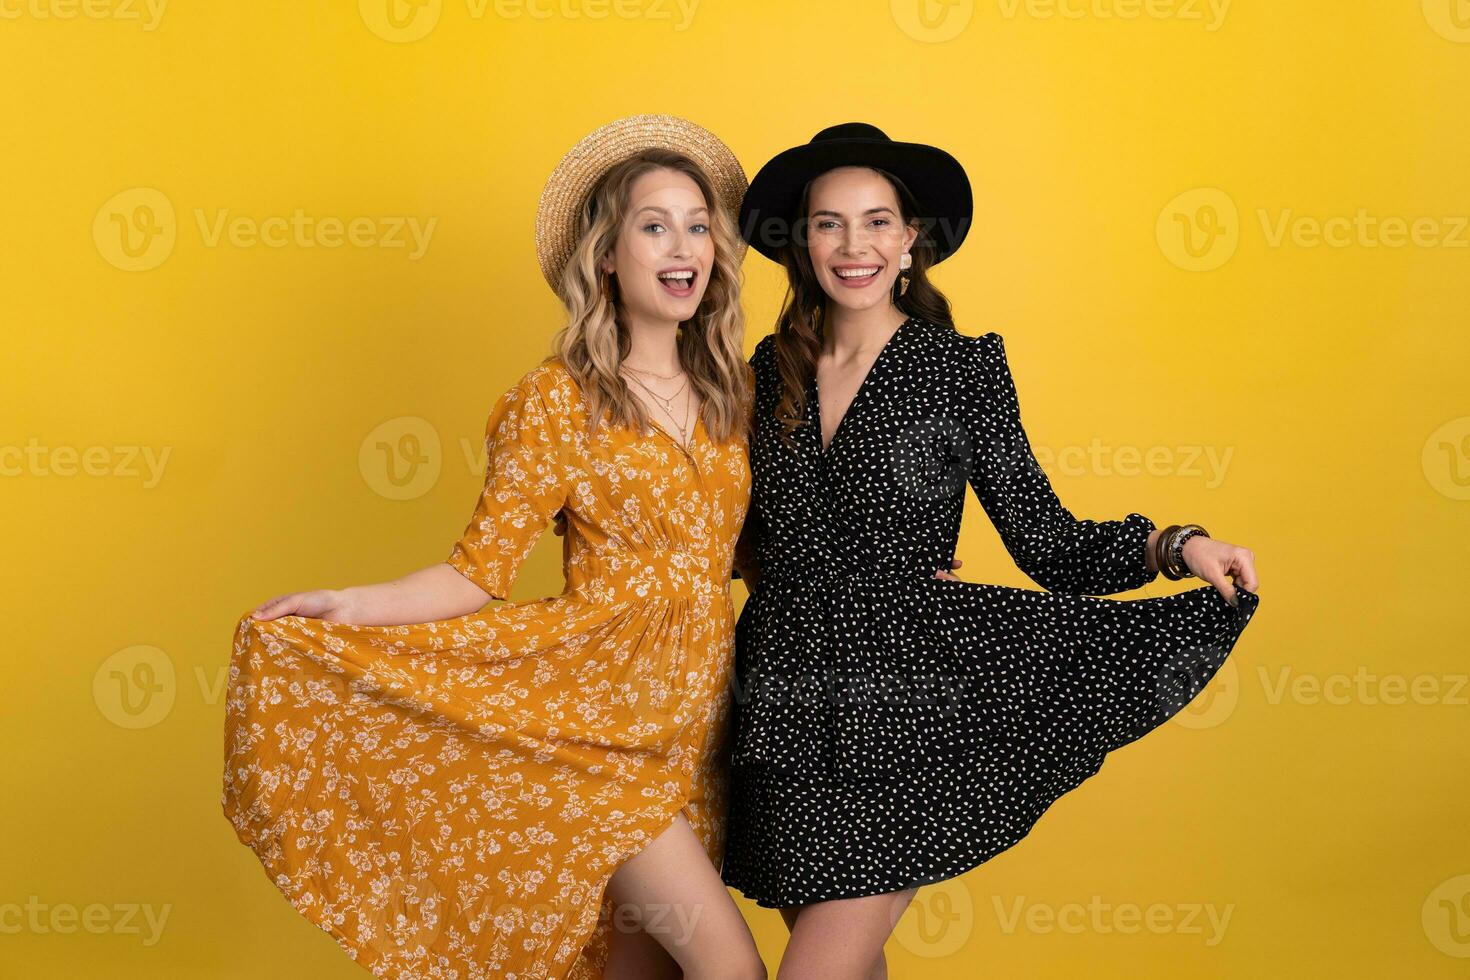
[[1214, 560], [956, 563]]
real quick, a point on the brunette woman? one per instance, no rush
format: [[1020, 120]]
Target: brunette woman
[[896, 727]]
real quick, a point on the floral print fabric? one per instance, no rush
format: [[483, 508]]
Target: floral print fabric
[[449, 799]]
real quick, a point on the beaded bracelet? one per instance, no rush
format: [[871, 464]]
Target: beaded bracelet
[[1177, 552], [1173, 564]]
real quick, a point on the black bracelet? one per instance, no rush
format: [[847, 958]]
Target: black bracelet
[[1176, 549]]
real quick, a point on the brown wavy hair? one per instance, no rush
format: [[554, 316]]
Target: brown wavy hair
[[594, 340], [799, 328]]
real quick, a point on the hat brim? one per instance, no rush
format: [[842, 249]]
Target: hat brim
[[599, 151], [936, 179]]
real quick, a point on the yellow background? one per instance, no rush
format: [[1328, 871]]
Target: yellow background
[[1315, 794]]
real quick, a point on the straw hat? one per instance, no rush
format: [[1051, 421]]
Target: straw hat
[[599, 151]]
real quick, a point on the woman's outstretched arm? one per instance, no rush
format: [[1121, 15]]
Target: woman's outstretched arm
[[1059, 552], [437, 592], [527, 477]]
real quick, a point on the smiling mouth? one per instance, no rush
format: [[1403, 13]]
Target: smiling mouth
[[678, 282], [857, 276]]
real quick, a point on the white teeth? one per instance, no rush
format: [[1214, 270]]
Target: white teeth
[[857, 273], [683, 275]]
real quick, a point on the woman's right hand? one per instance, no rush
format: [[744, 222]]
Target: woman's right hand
[[328, 604], [946, 575]]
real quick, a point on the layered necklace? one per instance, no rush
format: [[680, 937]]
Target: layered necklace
[[668, 403]]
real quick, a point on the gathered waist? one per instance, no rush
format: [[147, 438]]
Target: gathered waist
[[829, 569], [632, 574]]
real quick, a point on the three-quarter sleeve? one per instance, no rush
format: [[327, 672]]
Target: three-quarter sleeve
[[1057, 550], [527, 479]]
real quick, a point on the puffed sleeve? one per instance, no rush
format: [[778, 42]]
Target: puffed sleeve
[[527, 480], [1058, 551]]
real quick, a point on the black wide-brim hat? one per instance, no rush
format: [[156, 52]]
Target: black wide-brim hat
[[936, 179]]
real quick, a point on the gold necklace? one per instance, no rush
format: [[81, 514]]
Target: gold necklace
[[667, 405], [661, 377]]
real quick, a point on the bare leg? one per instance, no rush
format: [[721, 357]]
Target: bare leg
[[880, 965], [633, 954], [671, 893], [842, 939]]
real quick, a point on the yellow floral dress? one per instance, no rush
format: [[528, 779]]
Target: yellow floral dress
[[449, 799]]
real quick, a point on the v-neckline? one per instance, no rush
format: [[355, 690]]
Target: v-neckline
[[693, 432], [824, 451]]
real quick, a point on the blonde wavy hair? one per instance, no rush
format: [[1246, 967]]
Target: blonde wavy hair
[[594, 341]]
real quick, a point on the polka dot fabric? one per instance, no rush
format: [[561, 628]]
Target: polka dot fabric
[[894, 729]]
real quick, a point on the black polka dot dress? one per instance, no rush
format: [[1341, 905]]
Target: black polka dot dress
[[894, 729]]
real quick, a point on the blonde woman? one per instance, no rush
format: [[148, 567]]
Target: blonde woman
[[538, 789]]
